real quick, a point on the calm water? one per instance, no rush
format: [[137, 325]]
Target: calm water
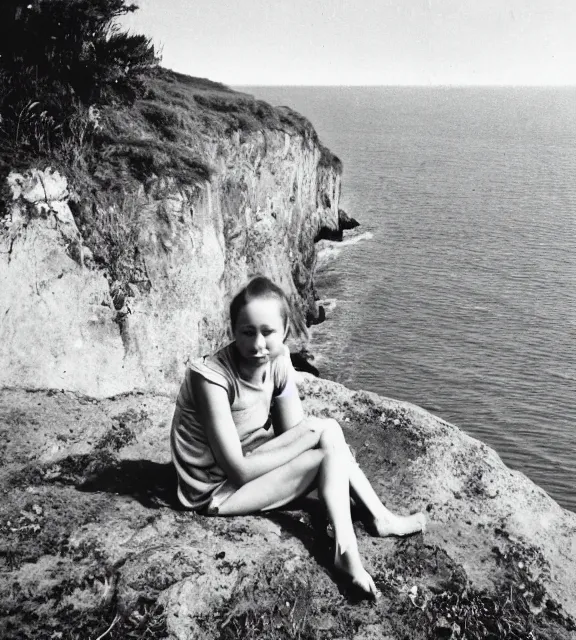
[[461, 294]]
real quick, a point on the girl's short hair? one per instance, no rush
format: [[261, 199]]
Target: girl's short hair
[[260, 287]]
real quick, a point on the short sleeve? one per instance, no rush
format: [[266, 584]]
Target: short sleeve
[[207, 372]]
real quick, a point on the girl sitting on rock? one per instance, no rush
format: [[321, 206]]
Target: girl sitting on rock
[[228, 459]]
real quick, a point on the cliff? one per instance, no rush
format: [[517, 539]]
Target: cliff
[[92, 540], [117, 268]]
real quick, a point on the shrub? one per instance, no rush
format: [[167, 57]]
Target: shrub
[[163, 118], [58, 57]]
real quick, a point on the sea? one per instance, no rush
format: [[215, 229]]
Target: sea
[[458, 291]]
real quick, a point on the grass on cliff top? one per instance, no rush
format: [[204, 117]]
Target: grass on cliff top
[[163, 134], [159, 134], [116, 148], [63, 64]]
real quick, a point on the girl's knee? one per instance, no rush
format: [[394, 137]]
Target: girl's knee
[[310, 459], [332, 436], [316, 423]]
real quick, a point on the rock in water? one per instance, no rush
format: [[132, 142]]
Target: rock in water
[[346, 222]]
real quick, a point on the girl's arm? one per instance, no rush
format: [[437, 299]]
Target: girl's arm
[[214, 411], [287, 409]]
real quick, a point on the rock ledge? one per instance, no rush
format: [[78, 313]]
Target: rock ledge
[[92, 539]]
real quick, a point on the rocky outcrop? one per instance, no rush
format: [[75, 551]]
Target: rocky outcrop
[[92, 539], [58, 325], [116, 291], [345, 223]]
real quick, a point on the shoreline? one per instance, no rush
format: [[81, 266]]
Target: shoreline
[[302, 357]]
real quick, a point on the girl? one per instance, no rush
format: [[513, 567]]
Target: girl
[[228, 459]]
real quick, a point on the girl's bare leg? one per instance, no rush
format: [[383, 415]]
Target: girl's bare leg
[[276, 442], [280, 486], [386, 523], [334, 488], [275, 488]]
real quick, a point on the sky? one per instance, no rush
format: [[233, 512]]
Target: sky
[[364, 42]]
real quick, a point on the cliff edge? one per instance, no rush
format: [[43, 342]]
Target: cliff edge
[[94, 546]]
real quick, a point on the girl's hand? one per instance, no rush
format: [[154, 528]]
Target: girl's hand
[[320, 425], [326, 430], [215, 415]]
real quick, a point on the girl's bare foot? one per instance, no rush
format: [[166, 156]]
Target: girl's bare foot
[[349, 563], [393, 525]]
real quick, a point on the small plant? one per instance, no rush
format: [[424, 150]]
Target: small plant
[[280, 605], [80, 129], [163, 118], [441, 603], [117, 437]]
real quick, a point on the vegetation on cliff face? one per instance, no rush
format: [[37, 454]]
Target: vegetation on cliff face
[[58, 60], [79, 93], [70, 78]]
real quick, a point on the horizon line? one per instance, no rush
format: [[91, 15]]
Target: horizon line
[[414, 86]]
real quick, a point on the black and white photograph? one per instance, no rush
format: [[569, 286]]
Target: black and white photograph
[[288, 320]]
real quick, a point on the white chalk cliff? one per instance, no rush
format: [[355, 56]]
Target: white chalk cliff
[[67, 324]]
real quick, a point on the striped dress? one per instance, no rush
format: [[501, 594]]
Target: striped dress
[[200, 478]]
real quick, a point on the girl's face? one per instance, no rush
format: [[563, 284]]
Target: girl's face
[[260, 331]]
